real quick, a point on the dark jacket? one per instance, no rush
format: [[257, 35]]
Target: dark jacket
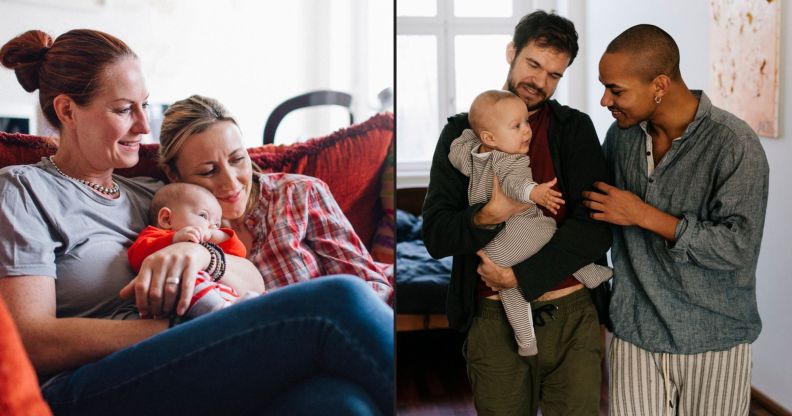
[[448, 228]]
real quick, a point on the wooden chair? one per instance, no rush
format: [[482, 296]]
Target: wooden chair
[[309, 99]]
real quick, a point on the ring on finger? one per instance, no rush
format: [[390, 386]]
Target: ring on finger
[[173, 280]]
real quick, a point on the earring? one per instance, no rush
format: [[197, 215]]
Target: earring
[[657, 99]]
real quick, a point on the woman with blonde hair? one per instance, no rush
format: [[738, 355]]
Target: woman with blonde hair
[[65, 225], [291, 225]]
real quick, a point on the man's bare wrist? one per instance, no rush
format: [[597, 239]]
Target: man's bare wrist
[[645, 216], [511, 276]]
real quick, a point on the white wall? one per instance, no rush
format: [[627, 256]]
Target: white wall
[[251, 55], [606, 19], [687, 22]]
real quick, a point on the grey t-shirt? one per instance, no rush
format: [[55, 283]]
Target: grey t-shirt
[[51, 225]]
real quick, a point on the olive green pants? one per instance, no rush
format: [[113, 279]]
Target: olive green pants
[[563, 379]]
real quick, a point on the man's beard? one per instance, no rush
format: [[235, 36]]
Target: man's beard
[[513, 88]]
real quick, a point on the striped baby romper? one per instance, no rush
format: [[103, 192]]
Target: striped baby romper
[[523, 235]]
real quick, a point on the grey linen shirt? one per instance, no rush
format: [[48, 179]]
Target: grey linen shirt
[[698, 293]]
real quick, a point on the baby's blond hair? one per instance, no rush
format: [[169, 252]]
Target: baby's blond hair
[[481, 109], [170, 192]]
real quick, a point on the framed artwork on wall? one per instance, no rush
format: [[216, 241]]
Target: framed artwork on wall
[[744, 59]]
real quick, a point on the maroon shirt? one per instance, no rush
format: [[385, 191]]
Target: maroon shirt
[[542, 171]]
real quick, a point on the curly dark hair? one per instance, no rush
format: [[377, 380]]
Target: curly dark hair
[[547, 30]]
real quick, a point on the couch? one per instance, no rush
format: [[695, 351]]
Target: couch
[[355, 162]]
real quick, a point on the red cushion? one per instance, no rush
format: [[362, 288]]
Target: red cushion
[[20, 393], [383, 247], [350, 161], [22, 149]]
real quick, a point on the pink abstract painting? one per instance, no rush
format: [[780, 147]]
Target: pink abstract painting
[[744, 59]]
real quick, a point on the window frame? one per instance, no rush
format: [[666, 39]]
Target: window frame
[[445, 27]]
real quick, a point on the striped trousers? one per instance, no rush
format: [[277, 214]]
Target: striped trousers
[[710, 383]]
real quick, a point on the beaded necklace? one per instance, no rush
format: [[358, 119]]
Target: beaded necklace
[[102, 189]]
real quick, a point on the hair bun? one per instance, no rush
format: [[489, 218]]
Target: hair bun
[[25, 54]]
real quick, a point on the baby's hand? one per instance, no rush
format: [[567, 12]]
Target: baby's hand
[[216, 236], [544, 195], [189, 234]]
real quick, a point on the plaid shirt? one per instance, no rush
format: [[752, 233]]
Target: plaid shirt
[[300, 233]]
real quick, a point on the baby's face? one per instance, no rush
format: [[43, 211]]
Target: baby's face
[[197, 210], [508, 123]]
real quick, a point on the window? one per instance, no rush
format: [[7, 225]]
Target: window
[[447, 51], [349, 48], [417, 86], [478, 8], [416, 8]]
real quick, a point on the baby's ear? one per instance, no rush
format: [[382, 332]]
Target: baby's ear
[[487, 138], [164, 218]]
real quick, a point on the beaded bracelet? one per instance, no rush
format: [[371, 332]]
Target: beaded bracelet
[[220, 272], [217, 264], [221, 265], [212, 259]]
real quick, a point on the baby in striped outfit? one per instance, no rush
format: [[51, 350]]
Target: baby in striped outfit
[[497, 146], [189, 213]]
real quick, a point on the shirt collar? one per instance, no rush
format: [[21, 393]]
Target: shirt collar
[[702, 112]]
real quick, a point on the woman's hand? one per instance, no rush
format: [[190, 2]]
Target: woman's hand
[[166, 276]]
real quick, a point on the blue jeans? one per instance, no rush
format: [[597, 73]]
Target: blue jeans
[[321, 346]]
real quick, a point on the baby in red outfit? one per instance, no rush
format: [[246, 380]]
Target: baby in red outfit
[[189, 213]]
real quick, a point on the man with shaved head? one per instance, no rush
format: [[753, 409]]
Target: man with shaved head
[[689, 199], [564, 377]]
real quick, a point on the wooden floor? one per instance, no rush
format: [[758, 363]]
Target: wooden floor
[[430, 374], [431, 378]]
